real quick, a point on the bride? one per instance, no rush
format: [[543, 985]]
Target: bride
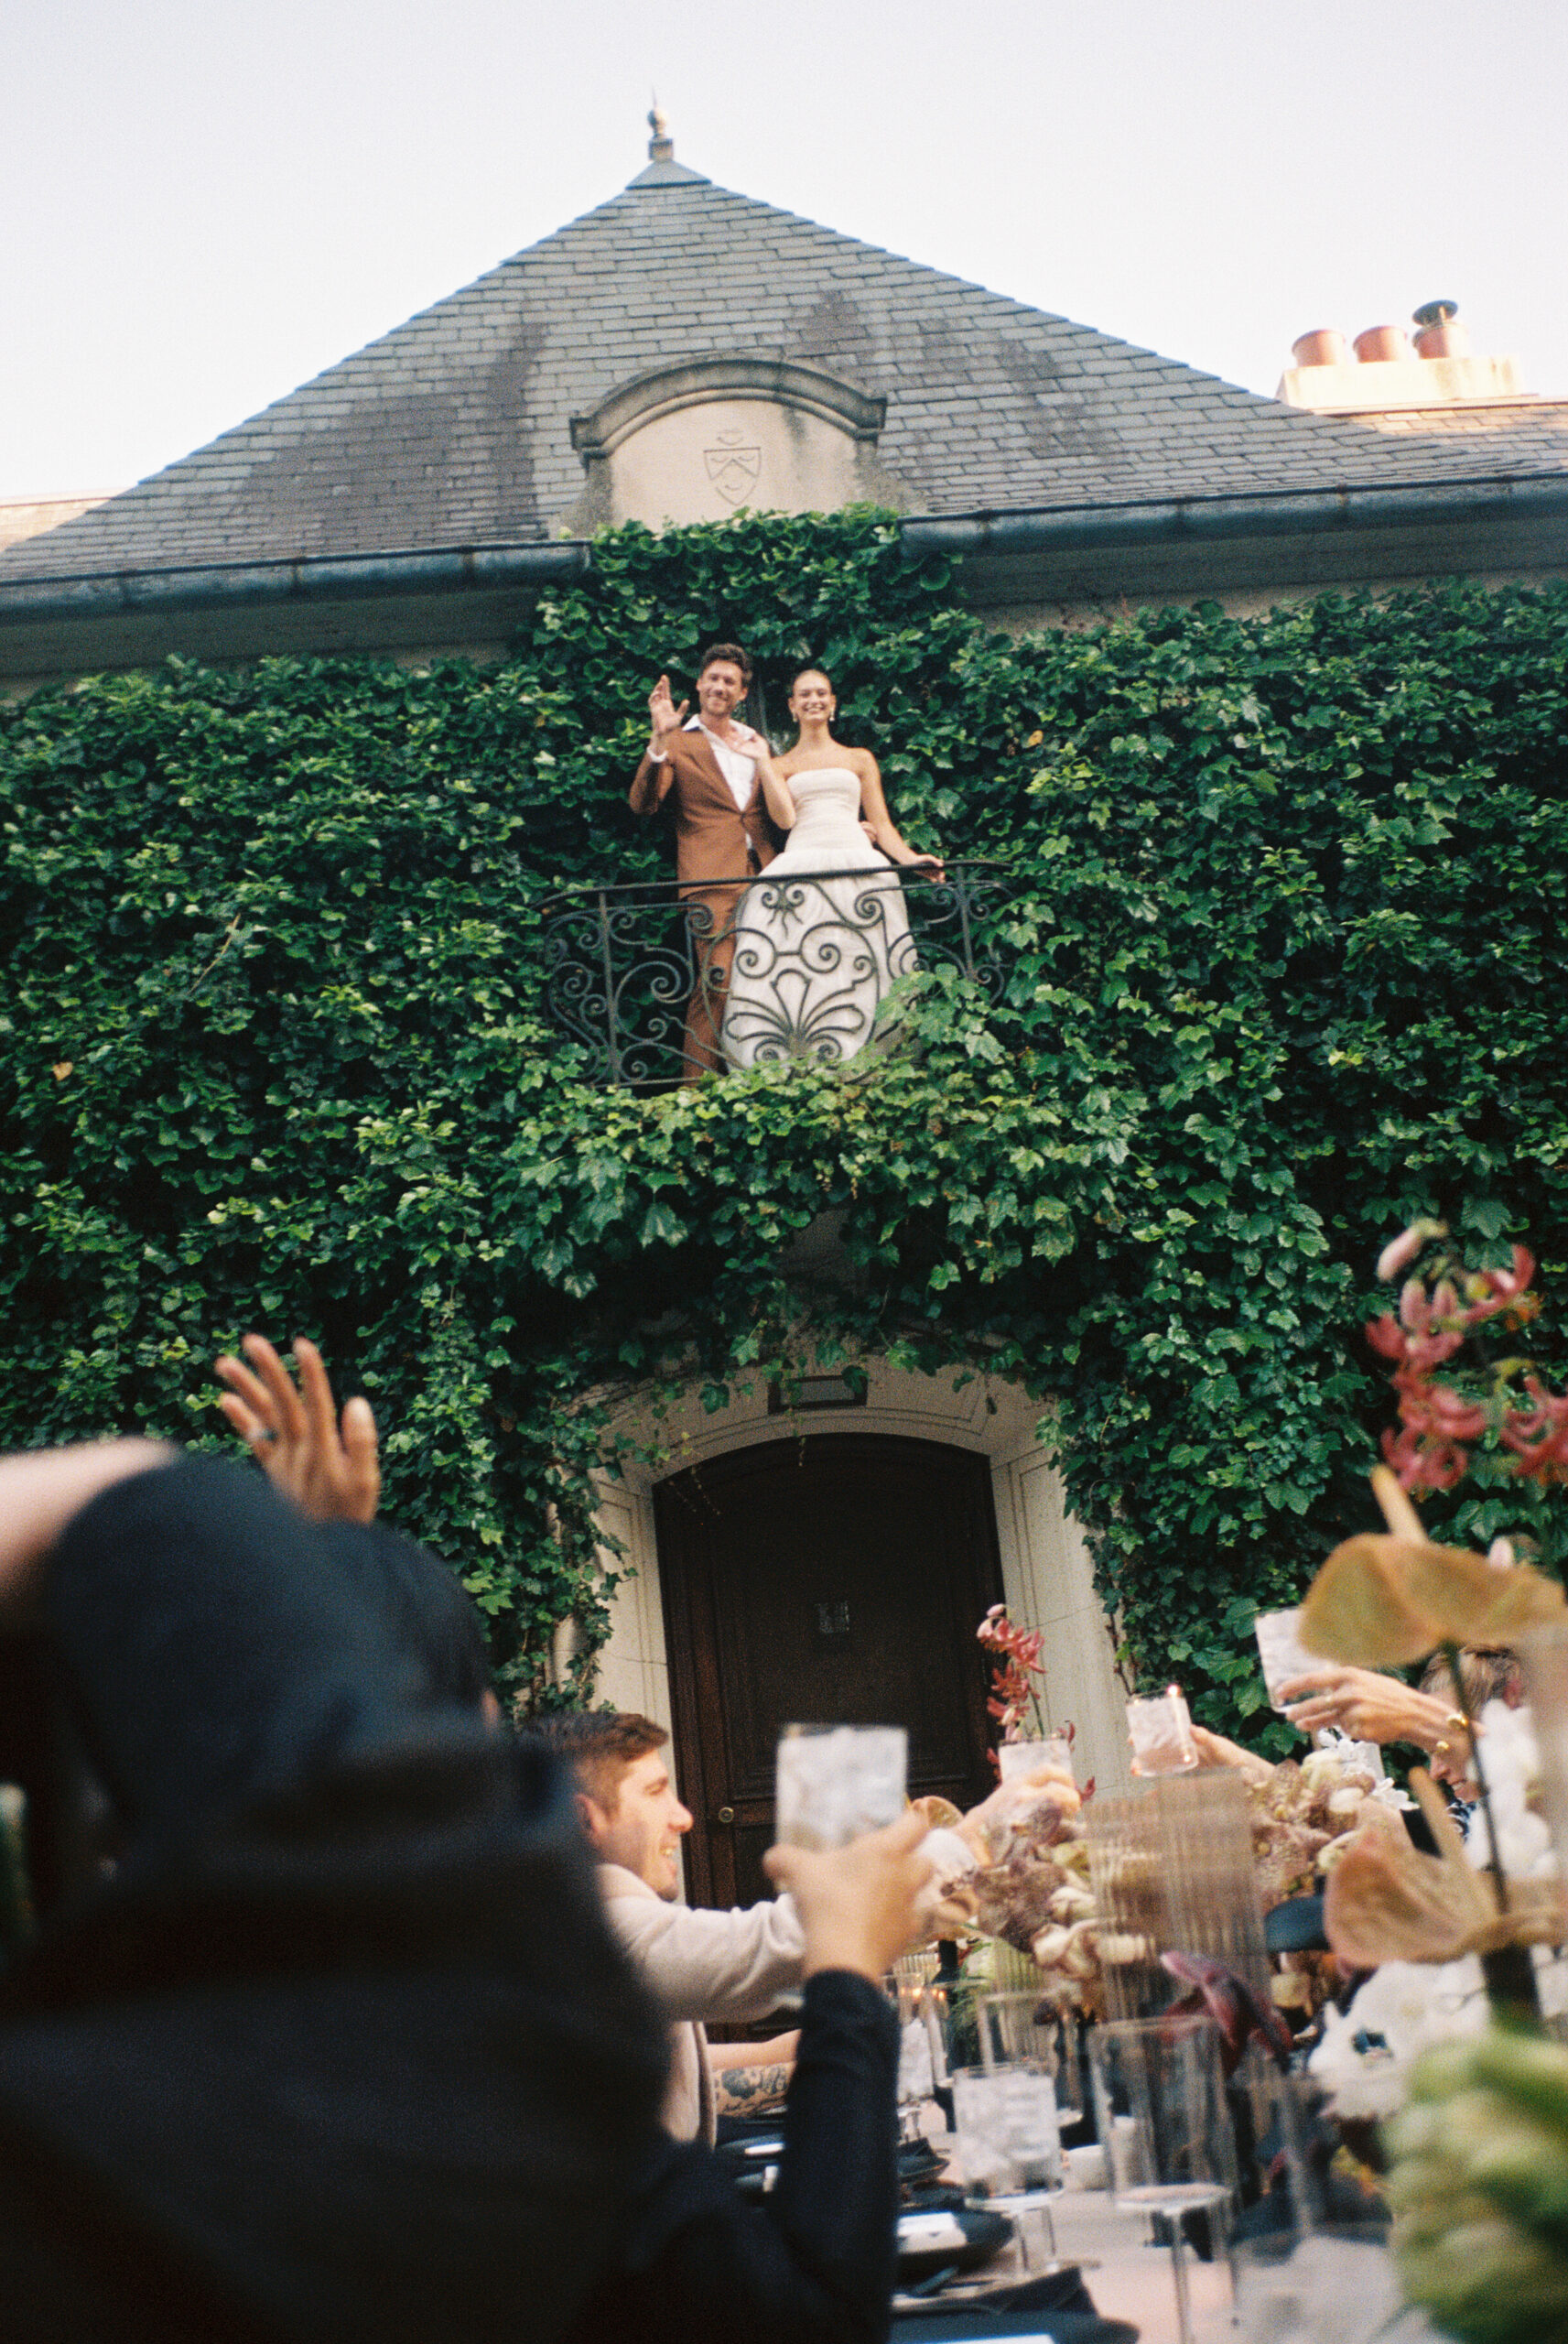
[[815, 949]]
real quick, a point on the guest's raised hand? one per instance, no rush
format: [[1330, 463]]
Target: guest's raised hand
[[329, 1467], [1367, 1705], [662, 714]]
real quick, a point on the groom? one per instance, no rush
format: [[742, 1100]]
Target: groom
[[707, 765]]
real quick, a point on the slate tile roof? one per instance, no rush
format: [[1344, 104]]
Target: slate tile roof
[[453, 430]]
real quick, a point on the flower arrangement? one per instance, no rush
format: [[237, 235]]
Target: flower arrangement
[[1479, 2176], [1383, 1600]]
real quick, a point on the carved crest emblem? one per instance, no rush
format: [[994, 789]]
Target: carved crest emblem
[[732, 468]]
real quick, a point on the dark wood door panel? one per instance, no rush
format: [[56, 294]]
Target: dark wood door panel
[[834, 1580]]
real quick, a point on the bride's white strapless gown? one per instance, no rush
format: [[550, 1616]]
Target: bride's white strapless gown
[[814, 953]]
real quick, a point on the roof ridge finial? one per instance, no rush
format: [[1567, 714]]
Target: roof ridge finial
[[661, 145]]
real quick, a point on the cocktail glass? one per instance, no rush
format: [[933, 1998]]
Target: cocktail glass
[[1015, 1758], [1281, 1651], [1160, 1733], [836, 1782]]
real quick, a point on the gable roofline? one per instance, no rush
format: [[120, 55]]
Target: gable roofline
[[455, 429]]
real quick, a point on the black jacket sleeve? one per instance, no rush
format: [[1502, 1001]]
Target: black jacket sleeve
[[816, 2267]]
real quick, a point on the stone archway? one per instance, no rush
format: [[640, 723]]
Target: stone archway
[[822, 1578], [1046, 1574]]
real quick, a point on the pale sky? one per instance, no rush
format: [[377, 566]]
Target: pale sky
[[206, 201]]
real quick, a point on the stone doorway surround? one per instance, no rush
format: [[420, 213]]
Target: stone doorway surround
[[1046, 1572]]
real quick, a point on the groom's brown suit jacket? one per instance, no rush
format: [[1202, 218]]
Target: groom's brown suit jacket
[[714, 841]]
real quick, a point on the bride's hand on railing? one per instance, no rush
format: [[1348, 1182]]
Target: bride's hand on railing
[[931, 863]]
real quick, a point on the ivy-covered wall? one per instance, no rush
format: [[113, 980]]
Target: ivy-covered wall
[[1288, 964]]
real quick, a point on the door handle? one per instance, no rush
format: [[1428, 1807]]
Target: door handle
[[725, 1815]]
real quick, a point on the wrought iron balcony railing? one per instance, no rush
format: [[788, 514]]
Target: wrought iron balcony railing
[[632, 970]]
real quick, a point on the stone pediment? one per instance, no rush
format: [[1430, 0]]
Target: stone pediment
[[699, 441]]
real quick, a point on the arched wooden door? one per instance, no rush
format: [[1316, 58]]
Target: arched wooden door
[[834, 1580]]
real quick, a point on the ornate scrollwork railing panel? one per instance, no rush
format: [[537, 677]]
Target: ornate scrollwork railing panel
[[812, 956]]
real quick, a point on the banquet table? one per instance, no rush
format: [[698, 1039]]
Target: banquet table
[[1128, 2276], [1132, 2282]]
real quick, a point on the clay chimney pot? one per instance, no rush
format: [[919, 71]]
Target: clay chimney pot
[[1449, 340], [1381, 343], [1325, 346]]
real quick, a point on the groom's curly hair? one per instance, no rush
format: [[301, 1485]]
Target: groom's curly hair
[[731, 651]]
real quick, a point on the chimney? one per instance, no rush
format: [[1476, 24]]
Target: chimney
[[1381, 346], [1387, 377], [1325, 346], [1440, 335]]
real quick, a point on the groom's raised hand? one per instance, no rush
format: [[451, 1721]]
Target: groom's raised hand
[[663, 716]]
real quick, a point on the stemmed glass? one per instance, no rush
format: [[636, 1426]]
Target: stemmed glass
[[1164, 2124], [922, 2011]]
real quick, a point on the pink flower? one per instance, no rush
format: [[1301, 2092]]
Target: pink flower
[[1539, 1436], [1492, 1291], [1386, 1335], [1400, 1251]]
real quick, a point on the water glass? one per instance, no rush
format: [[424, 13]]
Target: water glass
[[1023, 2030], [1281, 1651], [1161, 1732], [1327, 2286], [1010, 2146], [1163, 2123], [924, 2030], [836, 1782]]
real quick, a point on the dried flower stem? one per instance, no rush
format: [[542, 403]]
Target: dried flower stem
[[1509, 1972]]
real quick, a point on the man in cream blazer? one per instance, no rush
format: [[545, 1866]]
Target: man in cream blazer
[[700, 1964]]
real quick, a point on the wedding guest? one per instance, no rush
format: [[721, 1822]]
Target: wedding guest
[[1369, 1706], [691, 2261], [343, 2042], [345, 2049], [702, 1966]]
